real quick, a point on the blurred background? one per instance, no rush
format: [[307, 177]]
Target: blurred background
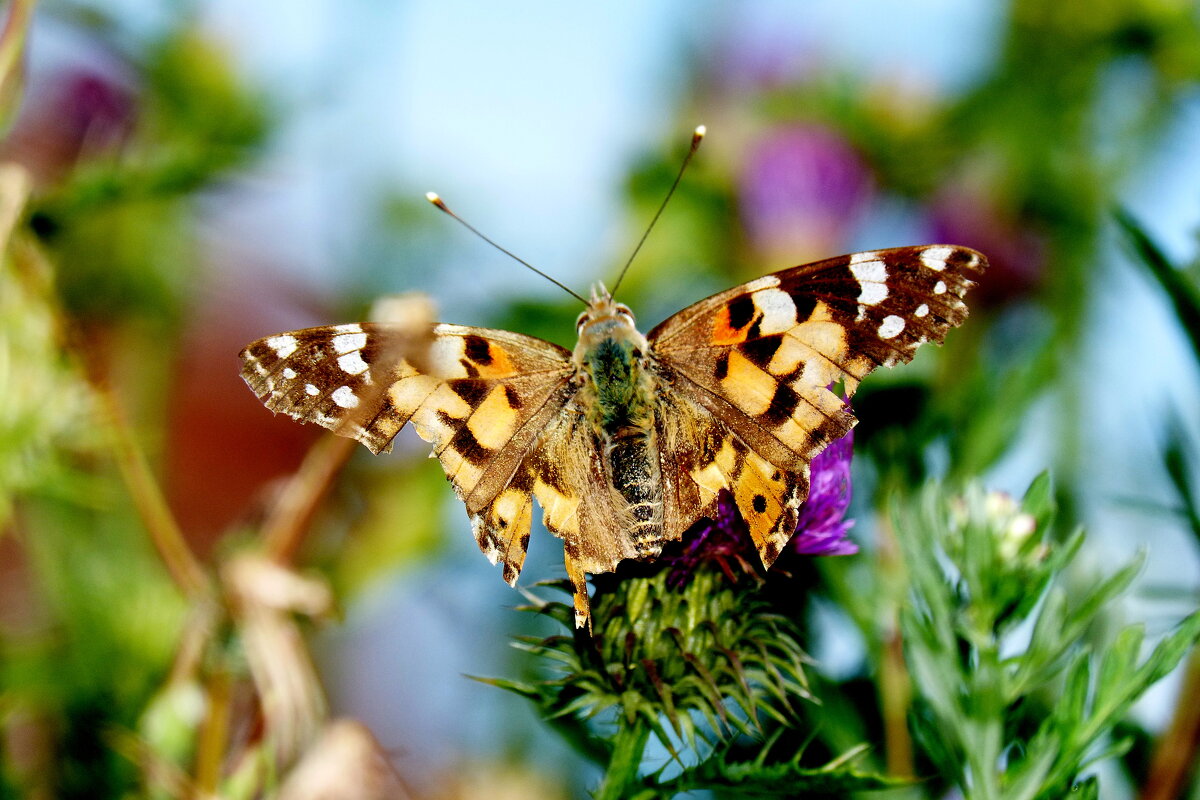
[[206, 173]]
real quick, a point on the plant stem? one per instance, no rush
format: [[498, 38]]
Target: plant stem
[[213, 737], [148, 499], [289, 518], [622, 773], [1175, 755], [895, 697], [895, 683]]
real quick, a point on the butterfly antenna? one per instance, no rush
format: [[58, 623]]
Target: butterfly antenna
[[697, 137], [437, 201]]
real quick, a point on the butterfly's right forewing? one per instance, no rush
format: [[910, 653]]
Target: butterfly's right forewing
[[760, 360]]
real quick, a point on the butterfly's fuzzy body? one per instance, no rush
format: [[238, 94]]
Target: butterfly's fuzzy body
[[618, 392], [627, 441]]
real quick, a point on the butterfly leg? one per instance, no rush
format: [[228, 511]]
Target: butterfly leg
[[583, 609]]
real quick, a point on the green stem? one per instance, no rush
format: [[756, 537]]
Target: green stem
[[622, 774], [985, 734]]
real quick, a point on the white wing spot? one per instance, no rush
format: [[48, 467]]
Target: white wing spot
[[871, 275], [765, 282], [778, 311], [311, 390], [939, 287], [284, 344], [891, 326], [873, 271], [352, 363], [349, 327], [922, 310], [935, 257], [348, 342], [859, 258], [344, 396], [873, 293], [289, 373]]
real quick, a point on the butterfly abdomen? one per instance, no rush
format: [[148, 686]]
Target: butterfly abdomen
[[634, 471]]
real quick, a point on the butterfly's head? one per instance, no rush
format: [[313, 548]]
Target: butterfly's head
[[606, 319]]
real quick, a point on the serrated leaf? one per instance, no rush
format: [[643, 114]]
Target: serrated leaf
[[1072, 704], [1106, 590], [1171, 650], [1118, 667], [755, 776]]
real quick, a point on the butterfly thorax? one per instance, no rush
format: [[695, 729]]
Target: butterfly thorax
[[616, 396], [611, 360]]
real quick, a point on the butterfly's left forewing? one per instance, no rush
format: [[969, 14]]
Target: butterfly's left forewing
[[758, 362], [483, 398]]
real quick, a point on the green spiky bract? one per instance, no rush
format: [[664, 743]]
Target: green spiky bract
[[705, 669]]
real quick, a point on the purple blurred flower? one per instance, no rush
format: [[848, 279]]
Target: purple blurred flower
[[802, 189], [973, 211], [820, 531], [71, 115]]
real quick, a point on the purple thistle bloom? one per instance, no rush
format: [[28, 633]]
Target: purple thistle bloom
[[820, 531], [823, 526]]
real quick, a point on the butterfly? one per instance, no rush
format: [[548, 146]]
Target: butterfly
[[629, 439]]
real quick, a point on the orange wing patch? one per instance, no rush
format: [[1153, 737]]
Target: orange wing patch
[[726, 327], [763, 311]]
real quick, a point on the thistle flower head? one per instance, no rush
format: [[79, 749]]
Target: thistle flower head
[[820, 531], [685, 645]]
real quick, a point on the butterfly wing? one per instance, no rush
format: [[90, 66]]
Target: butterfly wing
[[759, 360], [483, 398]]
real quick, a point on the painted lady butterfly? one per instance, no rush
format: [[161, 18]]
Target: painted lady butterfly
[[628, 440]]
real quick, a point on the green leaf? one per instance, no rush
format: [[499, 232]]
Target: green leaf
[[516, 687], [1184, 296], [1175, 459], [1082, 614], [1046, 646], [1072, 705], [1118, 667], [1086, 790], [1039, 500], [1026, 779], [1171, 650]]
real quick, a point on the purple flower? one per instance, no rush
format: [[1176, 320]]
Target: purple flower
[[972, 210], [802, 189], [823, 526], [820, 531]]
